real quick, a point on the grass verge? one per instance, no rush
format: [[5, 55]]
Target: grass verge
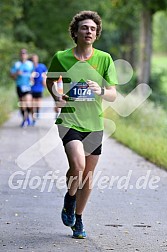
[[144, 131], [8, 102]]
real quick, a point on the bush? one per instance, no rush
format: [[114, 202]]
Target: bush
[[128, 87], [156, 83]]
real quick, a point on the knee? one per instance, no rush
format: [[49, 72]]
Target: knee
[[77, 165]]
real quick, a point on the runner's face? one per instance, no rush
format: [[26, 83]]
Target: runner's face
[[35, 59], [86, 33], [23, 56]]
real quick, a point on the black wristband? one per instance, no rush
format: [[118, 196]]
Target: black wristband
[[102, 91]]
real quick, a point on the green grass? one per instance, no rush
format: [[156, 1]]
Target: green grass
[[159, 60], [8, 102], [144, 131], [153, 148], [159, 64]]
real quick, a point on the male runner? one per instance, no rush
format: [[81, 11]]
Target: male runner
[[89, 77], [39, 83], [21, 72]]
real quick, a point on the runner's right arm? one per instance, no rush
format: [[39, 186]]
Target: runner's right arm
[[59, 99]]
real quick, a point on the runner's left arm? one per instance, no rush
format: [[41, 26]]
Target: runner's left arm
[[107, 93]]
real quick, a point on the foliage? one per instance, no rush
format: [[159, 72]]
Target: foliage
[[120, 29], [148, 9], [159, 93], [23, 33], [46, 23], [160, 33], [158, 79], [154, 5], [49, 21], [128, 87], [9, 12]]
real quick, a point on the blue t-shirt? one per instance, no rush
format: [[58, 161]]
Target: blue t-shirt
[[38, 78], [24, 80]]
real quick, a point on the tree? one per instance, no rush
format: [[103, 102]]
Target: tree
[[9, 11], [120, 29], [148, 8]]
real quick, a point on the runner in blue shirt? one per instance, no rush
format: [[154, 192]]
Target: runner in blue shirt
[[21, 72], [39, 83]]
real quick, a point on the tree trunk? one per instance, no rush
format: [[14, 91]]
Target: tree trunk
[[145, 47], [128, 53]]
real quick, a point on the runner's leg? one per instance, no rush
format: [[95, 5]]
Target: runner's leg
[[76, 158], [28, 102], [39, 101], [84, 192], [23, 107]]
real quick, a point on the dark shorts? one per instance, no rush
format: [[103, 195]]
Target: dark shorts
[[37, 94], [20, 93], [92, 141]]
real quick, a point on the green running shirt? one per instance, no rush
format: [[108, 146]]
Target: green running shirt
[[83, 111]]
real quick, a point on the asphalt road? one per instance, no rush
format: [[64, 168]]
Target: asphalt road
[[127, 210]]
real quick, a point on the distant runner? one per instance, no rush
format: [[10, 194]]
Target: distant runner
[[39, 83], [21, 72]]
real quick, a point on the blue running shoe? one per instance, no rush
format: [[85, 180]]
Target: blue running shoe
[[68, 213], [23, 124], [33, 122], [78, 230], [28, 121]]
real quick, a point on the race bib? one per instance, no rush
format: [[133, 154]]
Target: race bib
[[25, 89], [79, 91]]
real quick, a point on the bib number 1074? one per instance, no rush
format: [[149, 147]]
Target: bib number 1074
[[81, 91]]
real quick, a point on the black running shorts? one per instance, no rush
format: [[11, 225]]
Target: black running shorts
[[92, 141], [37, 94], [20, 93]]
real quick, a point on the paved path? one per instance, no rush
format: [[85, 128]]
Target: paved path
[[127, 210]]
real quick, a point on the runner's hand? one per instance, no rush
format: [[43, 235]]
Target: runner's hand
[[61, 101], [94, 86], [19, 72]]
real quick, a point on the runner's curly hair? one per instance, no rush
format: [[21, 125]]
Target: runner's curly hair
[[82, 15]]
